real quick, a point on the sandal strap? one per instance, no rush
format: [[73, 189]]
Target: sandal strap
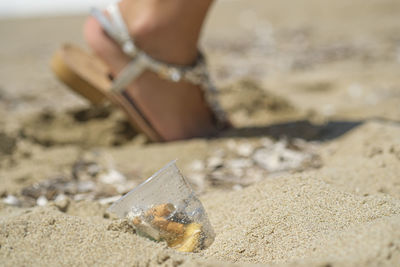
[[195, 73], [115, 27]]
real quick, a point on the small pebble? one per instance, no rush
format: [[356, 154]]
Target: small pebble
[[41, 201], [60, 197], [245, 150], [93, 169], [86, 186], [214, 162], [11, 200], [62, 202], [112, 177]]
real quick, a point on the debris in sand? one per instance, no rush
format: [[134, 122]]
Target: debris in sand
[[164, 208], [214, 162], [93, 177], [165, 223], [279, 157], [112, 177], [41, 201], [62, 202], [11, 200], [245, 150], [242, 163]]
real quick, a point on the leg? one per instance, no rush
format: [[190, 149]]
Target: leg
[[168, 30]]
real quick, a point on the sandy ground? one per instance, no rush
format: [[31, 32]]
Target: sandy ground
[[310, 176]]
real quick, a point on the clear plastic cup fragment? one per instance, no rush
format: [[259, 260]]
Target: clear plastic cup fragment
[[164, 208]]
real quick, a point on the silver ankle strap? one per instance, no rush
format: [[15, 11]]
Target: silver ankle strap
[[115, 28], [196, 73]]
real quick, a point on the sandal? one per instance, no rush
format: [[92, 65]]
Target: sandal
[[88, 76]]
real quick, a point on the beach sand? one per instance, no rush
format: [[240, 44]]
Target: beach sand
[[310, 176]]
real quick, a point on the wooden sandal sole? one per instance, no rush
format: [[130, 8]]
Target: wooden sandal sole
[[88, 76]]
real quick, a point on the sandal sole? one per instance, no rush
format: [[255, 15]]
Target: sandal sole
[[88, 76]]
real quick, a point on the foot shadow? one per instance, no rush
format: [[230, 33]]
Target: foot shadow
[[302, 129]]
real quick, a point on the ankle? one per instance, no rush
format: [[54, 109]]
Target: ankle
[[160, 33]]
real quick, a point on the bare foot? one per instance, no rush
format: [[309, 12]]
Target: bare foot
[[175, 110]]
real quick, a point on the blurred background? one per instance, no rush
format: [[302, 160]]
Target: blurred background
[[24, 8], [314, 53]]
